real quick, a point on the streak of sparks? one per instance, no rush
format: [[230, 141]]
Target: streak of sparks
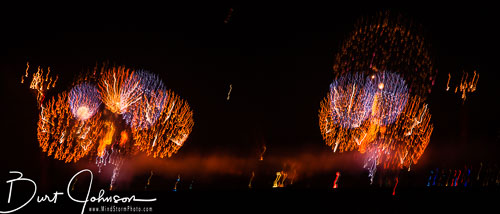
[[394, 190], [335, 185], [177, 182], [39, 83], [149, 179], [264, 148], [251, 179], [229, 93]]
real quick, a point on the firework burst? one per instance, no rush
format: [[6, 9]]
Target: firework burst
[[119, 88], [171, 130], [384, 42], [84, 101], [72, 125], [63, 136], [351, 100], [144, 113]]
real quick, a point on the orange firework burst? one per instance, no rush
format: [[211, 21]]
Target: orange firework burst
[[388, 42], [405, 140], [62, 135], [169, 132], [119, 88], [342, 138], [72, 124]]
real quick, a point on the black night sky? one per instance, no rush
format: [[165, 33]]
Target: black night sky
[[279, 61]]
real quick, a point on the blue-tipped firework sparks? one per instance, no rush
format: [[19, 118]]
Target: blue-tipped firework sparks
[[144, 113], [351, 100], [390, 97], [84, 101]]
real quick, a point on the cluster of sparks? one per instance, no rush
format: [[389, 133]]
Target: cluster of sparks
[[388, 42], [467, 84], [139, 114], [376, 102], [40, 83]]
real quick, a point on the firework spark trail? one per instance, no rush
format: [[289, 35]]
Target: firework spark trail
[[394, 190], [149, 180], [335, 185], [448, 83], [40, 84], [278, 177], [229, 93], [251, 179], [264, 148], [228, 17], [467, 85], [177, 182]]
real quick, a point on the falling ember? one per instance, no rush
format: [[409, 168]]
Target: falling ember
[[149, 180], [39, 83], [281, 176], [448, 83], [335, 185], [466, 85], [229, 93], [251, 179], [394, 190], [177, 183], [264, 148]]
